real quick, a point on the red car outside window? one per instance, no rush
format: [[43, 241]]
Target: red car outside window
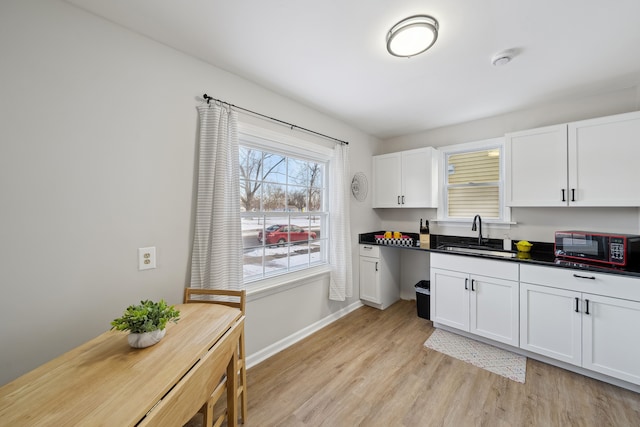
[[280, 234]]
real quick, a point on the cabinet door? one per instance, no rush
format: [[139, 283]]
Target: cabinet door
[[387, 181], [370, 279], [536, 167], [494, 309], [609, 343], [550, 322], [603, 161], [419, 178], [450, 293]]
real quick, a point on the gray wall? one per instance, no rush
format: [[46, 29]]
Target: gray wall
[[97, 152]]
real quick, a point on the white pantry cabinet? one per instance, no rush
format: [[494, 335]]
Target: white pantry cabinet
[[583, 318], [406, 179], [585, 163], [476, 295], [379, 272]]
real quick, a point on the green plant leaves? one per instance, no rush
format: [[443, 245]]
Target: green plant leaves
[[146, 317]]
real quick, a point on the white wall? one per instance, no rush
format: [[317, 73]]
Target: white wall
[[97, 152]]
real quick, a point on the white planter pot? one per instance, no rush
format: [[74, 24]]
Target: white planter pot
[[145, 339]]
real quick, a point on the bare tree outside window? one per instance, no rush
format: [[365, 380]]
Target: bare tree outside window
[[255, 167], [284, 222]]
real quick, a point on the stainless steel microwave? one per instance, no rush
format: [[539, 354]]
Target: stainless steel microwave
[[619, 250]]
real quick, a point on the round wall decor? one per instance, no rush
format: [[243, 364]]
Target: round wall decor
[[359, 186]]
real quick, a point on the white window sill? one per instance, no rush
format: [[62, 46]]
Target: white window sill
[[273, 285]]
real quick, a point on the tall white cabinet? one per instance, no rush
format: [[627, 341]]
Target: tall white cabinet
[[406, 179], [586, 163]]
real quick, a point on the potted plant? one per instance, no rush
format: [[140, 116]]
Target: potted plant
[[146, 322]]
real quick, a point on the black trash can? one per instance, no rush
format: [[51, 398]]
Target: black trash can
[[423, 298]]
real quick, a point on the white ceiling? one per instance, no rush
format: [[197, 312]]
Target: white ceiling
[[331, 54]]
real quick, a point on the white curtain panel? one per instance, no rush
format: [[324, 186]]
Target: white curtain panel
[[216, 261], [341, 282]]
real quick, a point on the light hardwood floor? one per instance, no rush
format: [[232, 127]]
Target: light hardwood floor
[[370, 368]]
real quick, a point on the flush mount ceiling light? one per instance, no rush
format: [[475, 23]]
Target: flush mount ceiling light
[[412, 36]]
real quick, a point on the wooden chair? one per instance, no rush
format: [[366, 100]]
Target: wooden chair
[[235, 299]]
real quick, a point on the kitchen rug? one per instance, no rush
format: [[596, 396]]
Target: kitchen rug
[[485, 356]]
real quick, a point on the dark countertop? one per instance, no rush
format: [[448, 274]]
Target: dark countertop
[[542, 253]]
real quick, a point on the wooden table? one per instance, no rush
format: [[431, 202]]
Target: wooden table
[[104, 382]]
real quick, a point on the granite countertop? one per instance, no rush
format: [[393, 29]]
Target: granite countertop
[[542, 253]]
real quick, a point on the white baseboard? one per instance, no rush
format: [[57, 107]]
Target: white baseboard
[[254, 359]]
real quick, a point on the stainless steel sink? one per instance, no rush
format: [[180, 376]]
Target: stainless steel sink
[[479, 251]]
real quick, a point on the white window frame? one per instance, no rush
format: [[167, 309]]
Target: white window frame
[[504, 220], [276, 142]]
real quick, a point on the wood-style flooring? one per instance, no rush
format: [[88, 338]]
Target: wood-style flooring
[[370, 368]]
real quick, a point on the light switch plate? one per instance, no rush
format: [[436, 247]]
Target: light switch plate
[[146, 258]]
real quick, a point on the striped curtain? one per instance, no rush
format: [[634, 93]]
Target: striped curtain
[[341, 281], [216, 261]]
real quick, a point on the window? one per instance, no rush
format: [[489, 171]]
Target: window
[[473, 181], [283, 208]]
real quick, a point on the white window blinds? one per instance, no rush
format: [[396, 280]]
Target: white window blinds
[[473, 184]]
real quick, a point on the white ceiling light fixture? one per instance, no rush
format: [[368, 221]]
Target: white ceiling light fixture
[[412, 36]]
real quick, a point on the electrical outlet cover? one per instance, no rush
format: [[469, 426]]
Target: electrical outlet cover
[[146, 258]]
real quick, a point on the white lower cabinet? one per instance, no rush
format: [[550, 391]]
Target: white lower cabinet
[[549, 324], [379, 271], [465, 298], [609, 337], [567, 318]]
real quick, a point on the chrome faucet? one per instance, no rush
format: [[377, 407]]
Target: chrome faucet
[[479, 227]]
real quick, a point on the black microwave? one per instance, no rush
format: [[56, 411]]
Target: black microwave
[[618, 250]]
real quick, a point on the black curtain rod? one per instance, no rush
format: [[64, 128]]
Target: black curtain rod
[[291, 125]]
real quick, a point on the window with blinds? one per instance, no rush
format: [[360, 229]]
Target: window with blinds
[[473, 184]]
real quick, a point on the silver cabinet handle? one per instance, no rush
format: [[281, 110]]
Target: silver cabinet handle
[[376, 265]]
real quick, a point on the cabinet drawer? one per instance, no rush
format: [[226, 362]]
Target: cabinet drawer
[[370, 250], [611, 285], [507, 270]]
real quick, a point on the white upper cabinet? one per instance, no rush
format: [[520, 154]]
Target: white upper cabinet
[[406, 179], [603, 161], [387, 180], [586, 163], [536, 167]]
